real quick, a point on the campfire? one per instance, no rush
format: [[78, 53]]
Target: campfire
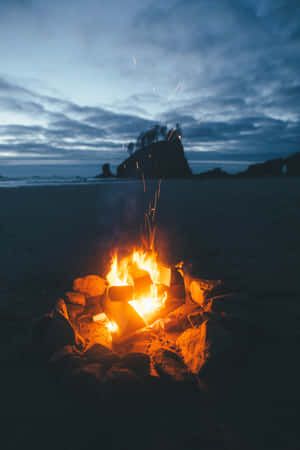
[[140, 319], [137, 293]]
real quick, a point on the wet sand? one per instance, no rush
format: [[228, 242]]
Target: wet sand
[[244, 232]]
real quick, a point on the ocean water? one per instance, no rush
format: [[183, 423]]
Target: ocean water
[[13, 176]]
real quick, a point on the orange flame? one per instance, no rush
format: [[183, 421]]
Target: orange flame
[[123, 273]]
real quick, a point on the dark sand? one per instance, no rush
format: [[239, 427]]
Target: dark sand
[[244, 232]]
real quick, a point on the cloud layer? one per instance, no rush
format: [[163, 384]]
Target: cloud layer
[[79, 80]]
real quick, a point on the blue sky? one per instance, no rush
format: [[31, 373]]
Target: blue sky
[[80, 78]]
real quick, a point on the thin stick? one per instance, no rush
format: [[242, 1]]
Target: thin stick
[[144, 183]]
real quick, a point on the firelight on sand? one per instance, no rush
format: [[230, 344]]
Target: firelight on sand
[[139, 269]]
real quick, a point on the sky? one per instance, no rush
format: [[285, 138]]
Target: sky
[[81, 79]]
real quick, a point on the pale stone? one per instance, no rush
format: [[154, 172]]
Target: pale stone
[[169, 365], [61, 308], [208, 342], [76, 298], [197, 292], [193, 346], [91, 285]]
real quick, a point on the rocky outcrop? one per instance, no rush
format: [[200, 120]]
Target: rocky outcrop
[[214, 173], [273, 167], [292, 165], [106, 172], [160, 160]]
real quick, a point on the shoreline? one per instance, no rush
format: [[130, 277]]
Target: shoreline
[[12, 183]]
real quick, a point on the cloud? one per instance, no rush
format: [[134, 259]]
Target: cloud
[[239, 60], [69, 130]]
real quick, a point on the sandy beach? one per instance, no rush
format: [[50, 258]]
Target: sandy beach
[[244, 232]]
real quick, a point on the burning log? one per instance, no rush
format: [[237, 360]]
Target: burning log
[[124, 315], [164, 275], [120, 293], [141, 279]]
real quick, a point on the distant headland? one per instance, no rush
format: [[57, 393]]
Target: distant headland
[[166, 159]]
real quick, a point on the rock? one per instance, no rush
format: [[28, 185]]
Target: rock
[[213, 173], [65, 360], [106, 172], [197, 292], [193, 348], [159, 160], [79, 341], [60, 312], [178, 320], [101, 354], [91, 285], [292, 164], [94, 332], [196, 318], [74, 311], [169, 365], [272, 167], [76, 298], [94, 305], [95, 369], [58, 333], [205, 344], [138, 362], [60, 309]]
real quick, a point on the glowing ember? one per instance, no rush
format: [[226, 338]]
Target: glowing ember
[[145, 307], [112, 327], [131, 271], [102, 317]]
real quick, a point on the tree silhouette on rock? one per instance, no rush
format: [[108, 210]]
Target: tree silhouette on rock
[[153, 135], [130, 148]]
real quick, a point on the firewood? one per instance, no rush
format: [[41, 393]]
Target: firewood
[[120, 293], [124, 315], [141, 279], [164, 275]]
